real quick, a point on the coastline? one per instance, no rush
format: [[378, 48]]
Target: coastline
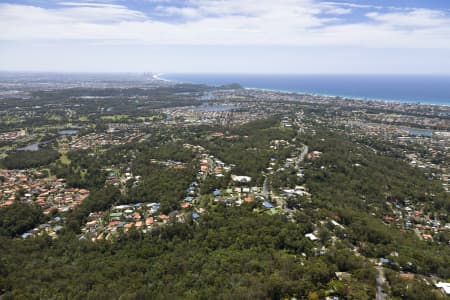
[[347, 97]]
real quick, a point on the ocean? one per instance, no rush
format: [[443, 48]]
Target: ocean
[[425, 89]]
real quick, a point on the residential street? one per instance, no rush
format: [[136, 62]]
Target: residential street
[[380, 281]]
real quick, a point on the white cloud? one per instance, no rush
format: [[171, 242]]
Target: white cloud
[[352, 5], [91, 4], [338, 11], [232, 22], [414, 18]]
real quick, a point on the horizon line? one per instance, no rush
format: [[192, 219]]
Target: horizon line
[[218, 73]]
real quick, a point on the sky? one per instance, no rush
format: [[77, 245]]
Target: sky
[[226, 36]]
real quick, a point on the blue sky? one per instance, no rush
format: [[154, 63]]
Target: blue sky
[[242, 36]]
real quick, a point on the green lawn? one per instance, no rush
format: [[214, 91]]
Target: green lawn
[[64, 159], [115, 117]]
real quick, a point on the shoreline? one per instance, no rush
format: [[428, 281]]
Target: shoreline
[[387, 101]]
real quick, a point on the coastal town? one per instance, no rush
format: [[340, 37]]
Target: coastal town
[[227, 149], [178, 163]]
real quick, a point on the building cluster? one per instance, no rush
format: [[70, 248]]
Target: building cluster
[[32, 187], [228, 115], [50, 228], [173, 164], [143, 217], [409, 119], [93, 140], [210, 165], [375, 129], [12, 135], [412, 217]]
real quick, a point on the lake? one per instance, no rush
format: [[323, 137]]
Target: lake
[[68, 132]]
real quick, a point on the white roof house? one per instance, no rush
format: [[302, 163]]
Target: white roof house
[[311, 236], [444, 286]]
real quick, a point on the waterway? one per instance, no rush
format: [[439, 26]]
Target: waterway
[[35, 146]]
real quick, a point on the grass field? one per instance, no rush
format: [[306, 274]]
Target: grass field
[[115, 118], [151, 118], [64, 159]]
